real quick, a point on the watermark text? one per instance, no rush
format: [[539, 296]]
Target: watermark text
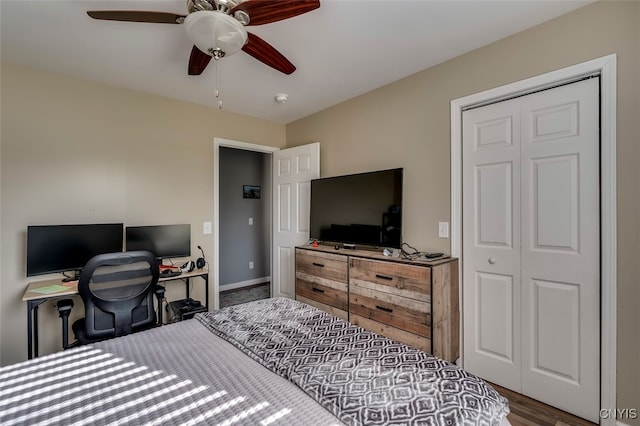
[[619, 413]]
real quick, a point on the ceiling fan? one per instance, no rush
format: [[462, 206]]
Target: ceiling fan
[[216, 27]]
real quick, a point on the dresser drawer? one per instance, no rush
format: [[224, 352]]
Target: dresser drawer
[[327, 293], [332, 267], [323, 278], [396, 311], [399, 279], [340, 313], [411, 339]]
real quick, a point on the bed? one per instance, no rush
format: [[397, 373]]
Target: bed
[[273, 361]]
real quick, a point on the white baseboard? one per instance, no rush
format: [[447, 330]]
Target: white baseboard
[[241, 284]]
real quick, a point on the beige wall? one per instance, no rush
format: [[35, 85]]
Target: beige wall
[[407, 124], [79, 152]]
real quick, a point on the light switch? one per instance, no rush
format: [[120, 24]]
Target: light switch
[[206, 228], [443, 229], [250, 221]]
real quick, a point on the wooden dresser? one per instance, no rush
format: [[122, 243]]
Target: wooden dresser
[[415, 302]]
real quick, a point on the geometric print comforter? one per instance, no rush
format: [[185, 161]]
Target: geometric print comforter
[[359, 376]]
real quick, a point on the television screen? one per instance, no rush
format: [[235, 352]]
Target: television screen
[[364, 208], [163, 241], [60, 248]]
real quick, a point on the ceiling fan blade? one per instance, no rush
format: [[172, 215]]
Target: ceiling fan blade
[[198, 61], [267, 54], [137, 16], [266, 11]]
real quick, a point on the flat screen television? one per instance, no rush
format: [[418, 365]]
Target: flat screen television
[[360, 209], [61, 248], [164, 241]]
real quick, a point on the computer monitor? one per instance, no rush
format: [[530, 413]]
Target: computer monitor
[[61, 248], [164, 241]]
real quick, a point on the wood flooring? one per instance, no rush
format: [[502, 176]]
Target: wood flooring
[[529, 412]]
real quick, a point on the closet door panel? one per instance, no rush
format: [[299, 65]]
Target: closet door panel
[[491, 243], [561, 247]]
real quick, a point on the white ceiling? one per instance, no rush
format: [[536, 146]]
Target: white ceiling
[[341, 50]]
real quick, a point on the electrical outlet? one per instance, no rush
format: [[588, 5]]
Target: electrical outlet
[[250, 221], [251, 265], [443, 229]]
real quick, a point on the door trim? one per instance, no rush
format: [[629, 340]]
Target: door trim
[[227, 143], [605, 67]]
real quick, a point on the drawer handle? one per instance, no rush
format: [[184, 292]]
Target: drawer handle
[[384, 277], [317, 290], [318, 264], [382, 308]]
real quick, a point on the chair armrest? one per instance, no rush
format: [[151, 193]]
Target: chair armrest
[[159, 292]]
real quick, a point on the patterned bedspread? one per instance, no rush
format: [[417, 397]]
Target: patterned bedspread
[[359, 376]]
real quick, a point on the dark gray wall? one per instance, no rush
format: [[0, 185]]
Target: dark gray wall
[[241, 243]]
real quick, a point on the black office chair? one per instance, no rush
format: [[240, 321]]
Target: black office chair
[[117, 290]]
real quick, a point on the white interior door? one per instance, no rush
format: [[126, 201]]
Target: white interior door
[[491, 243], [531, 245], [293, 169], [561, 247]]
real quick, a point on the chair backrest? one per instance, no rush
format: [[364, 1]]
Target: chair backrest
[[117, 291]]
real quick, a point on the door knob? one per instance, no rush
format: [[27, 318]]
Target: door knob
[[492, 260]]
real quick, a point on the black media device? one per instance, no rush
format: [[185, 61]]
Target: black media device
[[358, 209], [61, 248], [164, 241], [185, 308]]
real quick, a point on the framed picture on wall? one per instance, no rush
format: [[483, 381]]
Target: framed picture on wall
[[251, 191]]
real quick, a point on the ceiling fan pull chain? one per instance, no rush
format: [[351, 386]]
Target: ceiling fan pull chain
[[218, 78]]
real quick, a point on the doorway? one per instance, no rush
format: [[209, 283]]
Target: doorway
[[245, 223], [239, 271], [292, 170], [605, 69]]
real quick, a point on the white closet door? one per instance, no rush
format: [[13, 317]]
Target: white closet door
[[561, 247], [293, 169], [531, 255], [491, 243]]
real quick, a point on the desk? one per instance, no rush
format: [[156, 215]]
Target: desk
[[202, 273], [39, 292]]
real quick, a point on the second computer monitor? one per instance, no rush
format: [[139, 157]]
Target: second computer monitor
[[164, 241]]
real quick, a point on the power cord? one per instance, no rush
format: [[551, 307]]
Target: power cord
[[411, 253]]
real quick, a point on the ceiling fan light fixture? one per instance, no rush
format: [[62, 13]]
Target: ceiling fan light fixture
[[215, 33]]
